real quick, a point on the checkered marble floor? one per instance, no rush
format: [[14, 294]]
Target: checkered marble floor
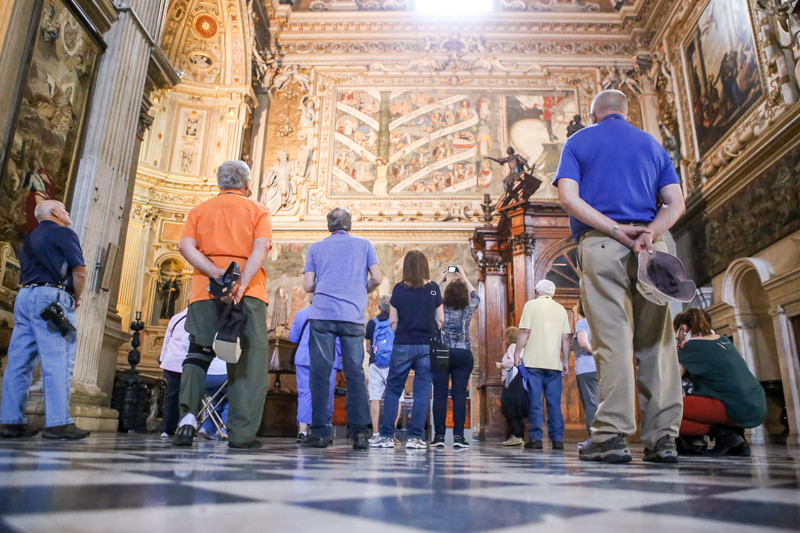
[[133, 483]]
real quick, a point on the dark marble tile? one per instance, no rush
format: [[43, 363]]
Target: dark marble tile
[[777, 515], [448, 512], [39, 499]]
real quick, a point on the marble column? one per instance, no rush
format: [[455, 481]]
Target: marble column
[[135, 263], [100, 197], [790, 370]]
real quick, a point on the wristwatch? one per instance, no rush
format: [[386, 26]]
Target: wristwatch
[[614, 230]]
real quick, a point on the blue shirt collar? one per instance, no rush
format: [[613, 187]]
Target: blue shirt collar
[[339, 232], [613, 116]]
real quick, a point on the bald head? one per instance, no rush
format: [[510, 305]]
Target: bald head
[[54, 211], [608, 103]]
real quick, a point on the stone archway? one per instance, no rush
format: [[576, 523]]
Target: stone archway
[[754, 335]]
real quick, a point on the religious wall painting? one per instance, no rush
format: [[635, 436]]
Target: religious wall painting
[[723, 73], [286, 261], [436, 141], [53, 106], [282, 180]]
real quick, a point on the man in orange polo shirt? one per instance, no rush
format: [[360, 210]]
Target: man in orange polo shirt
[[227, 228]]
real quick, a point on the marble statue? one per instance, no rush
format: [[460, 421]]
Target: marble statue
[[278, 190]]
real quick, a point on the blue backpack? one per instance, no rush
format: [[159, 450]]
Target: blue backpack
[[382, 342]]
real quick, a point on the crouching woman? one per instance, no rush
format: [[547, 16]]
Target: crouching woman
[[726, 398]]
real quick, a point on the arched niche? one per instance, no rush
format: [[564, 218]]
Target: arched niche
[[754, 336], [170, 286]]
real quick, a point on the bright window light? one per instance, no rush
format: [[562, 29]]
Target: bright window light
[[452, 7]]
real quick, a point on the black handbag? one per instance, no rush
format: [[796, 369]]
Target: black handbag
[[440, 356]]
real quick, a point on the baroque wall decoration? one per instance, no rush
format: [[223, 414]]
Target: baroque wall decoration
[[723, 73], [766, 210], [54, 101]]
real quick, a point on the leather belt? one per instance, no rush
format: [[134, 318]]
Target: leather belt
[[53, 285]]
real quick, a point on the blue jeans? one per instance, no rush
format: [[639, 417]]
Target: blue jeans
[[213, 383], [33, 339], [304, 394], [404, 358], [547, 381], [322, 352]]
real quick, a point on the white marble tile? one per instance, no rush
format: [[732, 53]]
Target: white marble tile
[[576, 496], [25, 478], [302, 490], [233, 518], [636, 522]]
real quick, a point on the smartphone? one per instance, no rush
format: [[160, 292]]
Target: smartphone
[[452, 268]]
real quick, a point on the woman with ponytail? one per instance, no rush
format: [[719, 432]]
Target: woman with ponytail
[[727, 397]]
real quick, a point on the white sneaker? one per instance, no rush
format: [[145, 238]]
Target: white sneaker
[[375, 438], [382, 442], [165, 436], [587, 442], [206, 435], [417, 444]]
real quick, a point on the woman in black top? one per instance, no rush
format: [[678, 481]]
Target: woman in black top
[[416, 316], [460, 302]]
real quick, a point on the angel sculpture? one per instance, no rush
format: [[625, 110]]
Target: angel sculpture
[[278, 189]]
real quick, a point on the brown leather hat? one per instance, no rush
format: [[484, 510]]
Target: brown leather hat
[[662, 278]]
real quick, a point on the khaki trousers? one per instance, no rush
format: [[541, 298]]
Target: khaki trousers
[[626, 326], [247, 379]]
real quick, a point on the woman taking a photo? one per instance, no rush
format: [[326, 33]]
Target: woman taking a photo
[[460, 302], [727, 397], [416, 315]]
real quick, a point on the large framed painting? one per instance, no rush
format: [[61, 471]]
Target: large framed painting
[[410, 142], [722, 67], [53, 104]]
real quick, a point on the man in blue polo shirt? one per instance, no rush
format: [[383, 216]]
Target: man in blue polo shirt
[[53, 276], [610, 180], [341, 271]]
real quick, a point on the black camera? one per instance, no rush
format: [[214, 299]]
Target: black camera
[[221, 287], [54, 314]]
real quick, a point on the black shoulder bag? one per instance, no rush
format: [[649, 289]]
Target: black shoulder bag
[[297, 346], [440, 353]]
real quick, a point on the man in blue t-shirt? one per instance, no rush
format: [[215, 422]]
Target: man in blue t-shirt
[[341, 271], [610, 180], [53, 277]]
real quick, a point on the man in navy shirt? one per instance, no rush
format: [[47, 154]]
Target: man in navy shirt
[[53, 271], [610, 180]]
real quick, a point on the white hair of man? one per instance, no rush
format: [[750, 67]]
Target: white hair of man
[[385, 303], [608, 102], [546, 287], [46, 209], [233, 175]]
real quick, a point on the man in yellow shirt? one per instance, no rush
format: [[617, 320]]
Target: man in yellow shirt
[[544, 333]]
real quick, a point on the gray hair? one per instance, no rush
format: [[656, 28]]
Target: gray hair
[[233, 175], [546, 286], [339, 219], [384, 303], [610, 100]]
